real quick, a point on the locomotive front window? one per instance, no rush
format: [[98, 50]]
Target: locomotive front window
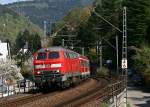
[[53, 55], [41, 56]]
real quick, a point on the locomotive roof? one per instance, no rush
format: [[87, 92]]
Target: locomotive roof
[[53, 49], [60, 49]]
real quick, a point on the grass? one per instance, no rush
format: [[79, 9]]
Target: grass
[[128, 105], [104, 105]]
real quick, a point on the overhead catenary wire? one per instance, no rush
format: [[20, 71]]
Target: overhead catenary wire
[[100, 16], [107, 21]]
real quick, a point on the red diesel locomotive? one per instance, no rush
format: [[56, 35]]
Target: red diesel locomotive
[[59, 66]]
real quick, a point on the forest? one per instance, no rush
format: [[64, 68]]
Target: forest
[[138, 27], [90, 29]]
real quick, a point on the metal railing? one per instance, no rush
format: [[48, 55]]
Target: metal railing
[[113, 94], [19, 87]]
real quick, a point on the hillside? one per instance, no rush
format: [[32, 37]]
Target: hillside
[[12, 23], [74, 18], [50, 10]]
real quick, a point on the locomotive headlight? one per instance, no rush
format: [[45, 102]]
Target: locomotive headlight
[[38, 72], [57, 71], [56, 65]]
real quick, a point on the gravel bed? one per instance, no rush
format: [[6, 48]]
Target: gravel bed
[[52, 101], [13, 97]]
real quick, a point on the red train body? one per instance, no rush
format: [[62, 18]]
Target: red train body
[[60, 66]]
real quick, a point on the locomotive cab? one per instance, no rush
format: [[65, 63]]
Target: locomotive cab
[[47, 67]]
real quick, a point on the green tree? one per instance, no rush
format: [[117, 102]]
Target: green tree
[[33, 40], [34, 43], [138, 18], [142, 62], [21, 39], [96, 28], [70, 23], [110, 11]]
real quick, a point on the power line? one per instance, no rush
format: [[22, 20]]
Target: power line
[[100, 16], [107, 21]]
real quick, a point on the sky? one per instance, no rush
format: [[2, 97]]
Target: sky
[[9, 1]]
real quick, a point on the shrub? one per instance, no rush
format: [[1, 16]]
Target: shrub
[[26, 70], [103, 72], [147, 77], [10, 70]]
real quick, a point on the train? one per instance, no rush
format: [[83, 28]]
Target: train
[[59, 66]]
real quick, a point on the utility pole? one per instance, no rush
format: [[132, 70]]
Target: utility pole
[[124, 44], [45, 27], [100, 54], [19, 9], [51, 23], [50, 28], [82, 50], [45, 30], [100, 50], [72, 46], [63, 42], [117, 53], [124, 50]]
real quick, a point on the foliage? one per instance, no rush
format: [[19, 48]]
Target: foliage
[[32, 40], [142, 58], [10, 70], [26, 69], [70, 23], [142, 62], [138, 35], [103, 104], [12, 23], [138, 13], [110, 11], [86, 24], [103, 72], [92, 56], [77, 16], [138, 20], [147, 76], [32, 43], [24, 61], [95, 29], [128, 105], [49, 10]]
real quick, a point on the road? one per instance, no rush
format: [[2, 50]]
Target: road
[[138, 96]]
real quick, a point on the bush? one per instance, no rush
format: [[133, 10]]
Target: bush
[[103, 72], [26, 71], [147, 77], [10, 70], [103, 104], [142, 62]]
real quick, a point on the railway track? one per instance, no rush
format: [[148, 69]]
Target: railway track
[[74, 97], [37, 98], [100, 93], [24, 100], [77, 101]]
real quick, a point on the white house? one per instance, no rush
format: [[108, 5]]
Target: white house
[[4, 51]]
